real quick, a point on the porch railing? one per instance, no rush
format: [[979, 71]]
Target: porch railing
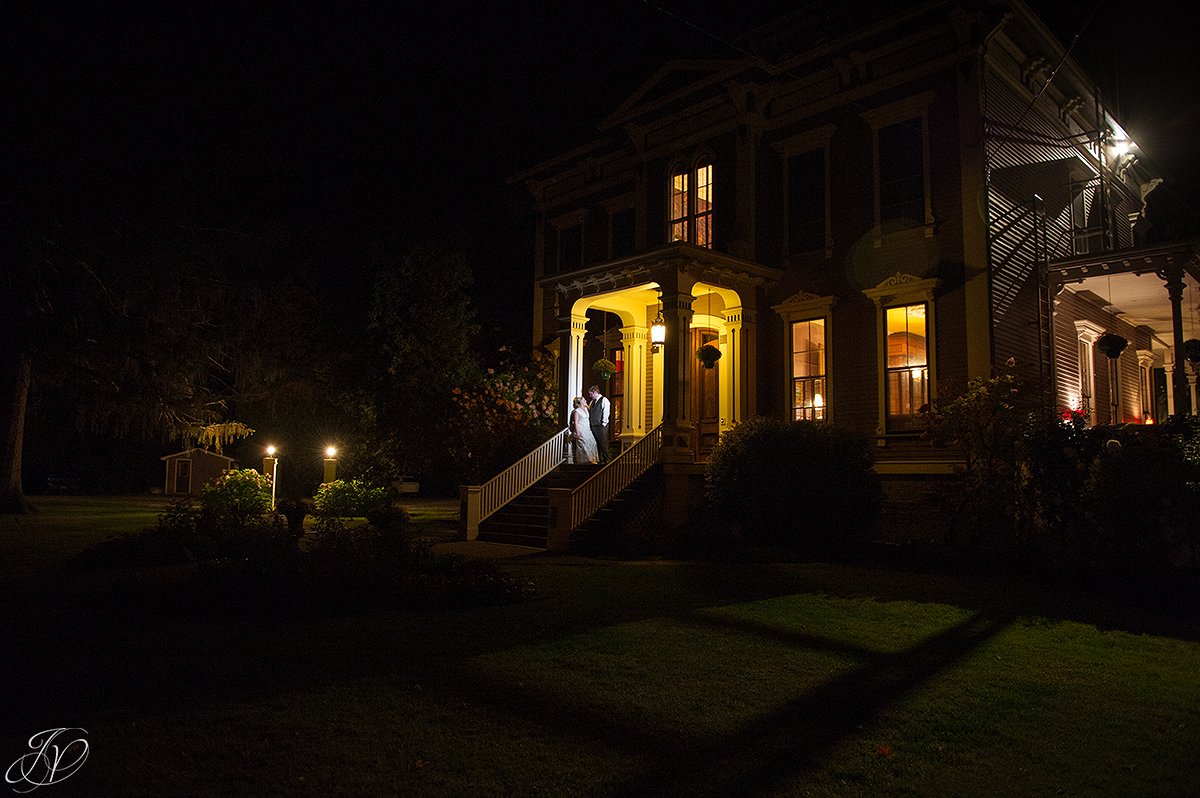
[[571, 507], [480, 501]]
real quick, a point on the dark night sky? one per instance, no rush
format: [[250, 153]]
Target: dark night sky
[[335, 123]]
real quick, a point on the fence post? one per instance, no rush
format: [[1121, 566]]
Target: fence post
[[558, 536], [469, 497]]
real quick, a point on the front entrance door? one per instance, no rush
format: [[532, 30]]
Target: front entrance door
[[706, 396]]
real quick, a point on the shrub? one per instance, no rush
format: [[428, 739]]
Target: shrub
[[235, 499], [295, 509], [338, 500], [388, 518], [799, 485]]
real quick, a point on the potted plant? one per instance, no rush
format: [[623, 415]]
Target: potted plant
[[1191, 350], [1112, 345], [294, 509], [708, 355], [604, 368]]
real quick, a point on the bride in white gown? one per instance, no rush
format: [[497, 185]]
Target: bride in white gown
[[583, 443]]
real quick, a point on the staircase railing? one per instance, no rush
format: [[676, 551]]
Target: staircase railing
[[603, 486], [477, 502]]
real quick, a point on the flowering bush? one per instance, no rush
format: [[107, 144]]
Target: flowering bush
[[236, 498], [505, 415], [338, 500]]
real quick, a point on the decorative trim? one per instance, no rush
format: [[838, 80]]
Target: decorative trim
[[901, 288]]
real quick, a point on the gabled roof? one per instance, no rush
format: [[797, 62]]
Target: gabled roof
[[670, 83], [194, 449]]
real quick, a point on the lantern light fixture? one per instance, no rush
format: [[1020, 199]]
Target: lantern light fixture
[[658, 331]]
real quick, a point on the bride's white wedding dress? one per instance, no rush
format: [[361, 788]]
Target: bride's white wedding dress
[[583, 443]]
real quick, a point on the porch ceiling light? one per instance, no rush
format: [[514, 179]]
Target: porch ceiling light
[[658, 331]]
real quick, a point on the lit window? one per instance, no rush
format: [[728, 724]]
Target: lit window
[[808, 370], [691, 206], [907, 383]]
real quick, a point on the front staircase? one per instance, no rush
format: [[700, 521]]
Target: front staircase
[[525, 521], [540, 500]]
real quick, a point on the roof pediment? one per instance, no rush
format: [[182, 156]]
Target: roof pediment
[[671, 82]]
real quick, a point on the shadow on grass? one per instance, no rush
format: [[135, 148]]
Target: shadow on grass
[[776, 747]]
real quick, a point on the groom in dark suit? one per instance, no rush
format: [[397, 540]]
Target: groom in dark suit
[[598, 411]]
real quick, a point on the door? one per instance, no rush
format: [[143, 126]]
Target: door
[[183, 476], [706, 396]]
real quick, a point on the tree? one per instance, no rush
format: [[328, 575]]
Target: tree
[[416, 348], [145, 334]]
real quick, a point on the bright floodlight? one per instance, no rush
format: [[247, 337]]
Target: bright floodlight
[[271, 451], [330, 451]]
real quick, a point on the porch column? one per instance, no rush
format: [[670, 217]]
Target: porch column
[[677, 411], [1191, 378], [738, 327], [634, 340], [1145, 358], [1174, 283], [575, 364], [1169, 368]]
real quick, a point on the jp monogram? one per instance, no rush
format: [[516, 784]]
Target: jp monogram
[[57, 754]]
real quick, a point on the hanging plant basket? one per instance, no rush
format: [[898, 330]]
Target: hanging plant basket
[[1112, 345], [708, 355], [604, 368], [1191, 350]]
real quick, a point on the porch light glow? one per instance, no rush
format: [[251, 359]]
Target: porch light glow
[[331, 451], [270, 451], [658, 331]]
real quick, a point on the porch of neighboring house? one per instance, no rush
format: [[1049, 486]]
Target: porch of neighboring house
[[648, 315], [1150, 297]]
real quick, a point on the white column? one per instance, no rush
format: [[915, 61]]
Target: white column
[[635, 341], [1169, 365], [575, 364], [734, 409], [1191, 378]]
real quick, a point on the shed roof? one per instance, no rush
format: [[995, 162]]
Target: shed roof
[[195, 450]]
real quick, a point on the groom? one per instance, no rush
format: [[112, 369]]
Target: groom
[[598, 410]]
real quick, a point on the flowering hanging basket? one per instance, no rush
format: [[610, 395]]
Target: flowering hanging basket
[[708, 355], [1191, 350], [1112, 345], [604, 368]]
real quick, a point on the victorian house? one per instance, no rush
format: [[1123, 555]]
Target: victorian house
[[859, 217]]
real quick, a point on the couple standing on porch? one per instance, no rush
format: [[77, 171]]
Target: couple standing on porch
[[589, 427]]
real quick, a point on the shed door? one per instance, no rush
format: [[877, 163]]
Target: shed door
[[183, 476]]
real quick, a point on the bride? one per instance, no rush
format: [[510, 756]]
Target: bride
[[583, 443]]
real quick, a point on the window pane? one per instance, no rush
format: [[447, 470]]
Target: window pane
[[806, 202], [704, 231], [902, 172], [679, 196], [808, 369], [907, 383], [704, 189], [906, 336]]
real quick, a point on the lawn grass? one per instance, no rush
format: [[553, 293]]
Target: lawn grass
[[641, 678]]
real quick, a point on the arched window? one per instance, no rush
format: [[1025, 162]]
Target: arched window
[[691, 204]]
